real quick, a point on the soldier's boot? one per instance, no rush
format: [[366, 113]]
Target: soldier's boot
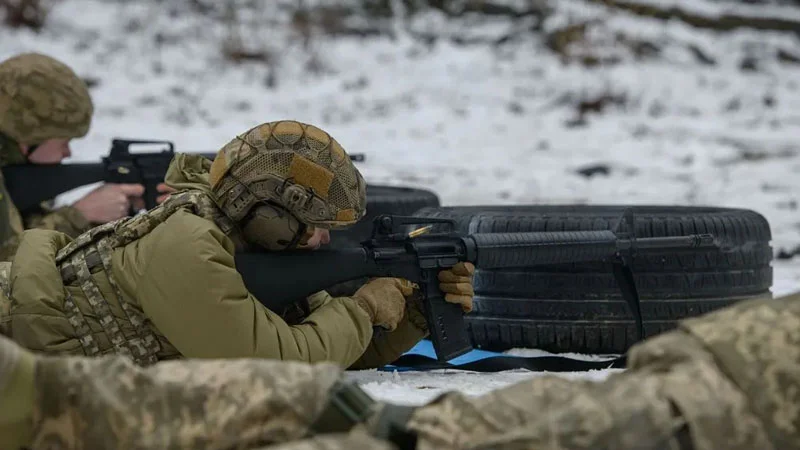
[[17, 368]]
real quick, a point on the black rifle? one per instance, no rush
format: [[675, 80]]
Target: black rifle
[[280, 279], [31, 184]]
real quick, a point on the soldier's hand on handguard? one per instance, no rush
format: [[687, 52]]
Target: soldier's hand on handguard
[[109, 202], [456, 283], [165, 191], [384, 299]]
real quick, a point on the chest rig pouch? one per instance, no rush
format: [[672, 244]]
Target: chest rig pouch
[[5, 297], [93, 250]]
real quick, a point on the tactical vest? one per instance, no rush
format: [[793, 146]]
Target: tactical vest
[[5, 297], [11, 225], [94, 249]]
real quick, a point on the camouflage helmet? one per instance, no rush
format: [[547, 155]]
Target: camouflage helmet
[[42, 98], [297, 166]]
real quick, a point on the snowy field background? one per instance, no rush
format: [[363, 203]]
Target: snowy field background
[[477, 124]]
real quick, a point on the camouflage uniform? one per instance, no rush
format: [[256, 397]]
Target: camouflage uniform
[[725, 380], [40, 99]]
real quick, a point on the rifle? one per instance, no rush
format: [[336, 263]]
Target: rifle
[[280, 279], [31, 184]]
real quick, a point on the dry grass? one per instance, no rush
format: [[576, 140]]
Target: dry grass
[[25, 13]]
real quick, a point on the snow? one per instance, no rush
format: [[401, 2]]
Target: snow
[[415, 388], [477, 124]]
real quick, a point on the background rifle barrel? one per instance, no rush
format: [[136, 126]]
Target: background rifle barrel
[[30, 184]]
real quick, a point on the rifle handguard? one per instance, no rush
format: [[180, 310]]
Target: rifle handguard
[[498, 250]]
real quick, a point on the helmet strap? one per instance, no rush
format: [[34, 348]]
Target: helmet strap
[[31, 149], [297, 236]]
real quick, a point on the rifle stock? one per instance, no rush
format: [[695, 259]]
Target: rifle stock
[[31, 184]]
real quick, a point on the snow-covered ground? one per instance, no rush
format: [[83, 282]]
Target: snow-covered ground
[[477, 124]]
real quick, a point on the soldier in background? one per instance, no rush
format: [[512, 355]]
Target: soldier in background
[[729, 380], [43, 106]]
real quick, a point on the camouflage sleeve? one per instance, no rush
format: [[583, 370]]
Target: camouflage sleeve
[[727, 379], [9, 248], [197, 404], [11, 227], [673, 396], [67, 220], [757, 345]]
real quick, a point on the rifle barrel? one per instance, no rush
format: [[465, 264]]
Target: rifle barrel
[[506, 250]]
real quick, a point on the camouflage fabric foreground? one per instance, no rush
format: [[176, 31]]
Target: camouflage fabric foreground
[[726, 380]]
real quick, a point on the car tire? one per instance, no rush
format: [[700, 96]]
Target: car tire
[[579, 307]]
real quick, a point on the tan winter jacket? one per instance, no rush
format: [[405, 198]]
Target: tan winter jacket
[[181, 276]]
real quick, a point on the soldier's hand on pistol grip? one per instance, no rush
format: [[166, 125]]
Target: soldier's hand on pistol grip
[[384, 299], [456, 283]]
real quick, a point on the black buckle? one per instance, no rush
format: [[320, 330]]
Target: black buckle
[[348, 405]]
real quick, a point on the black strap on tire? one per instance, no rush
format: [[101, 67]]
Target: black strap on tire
[[624, 278], [623, 274]]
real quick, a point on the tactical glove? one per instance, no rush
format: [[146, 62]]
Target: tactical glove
[[384, 299], [456, 283]]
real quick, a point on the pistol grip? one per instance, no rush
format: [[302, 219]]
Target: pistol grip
[[150, 194]]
